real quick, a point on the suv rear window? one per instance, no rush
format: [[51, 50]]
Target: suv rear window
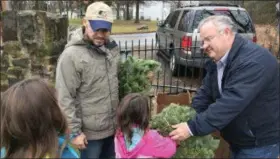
[[171, 19], [240, 18]]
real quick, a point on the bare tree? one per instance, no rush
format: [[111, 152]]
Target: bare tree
[[36, 5], [118, 10], [121, 6], [127, 17], [137, 4], [137, 11], [61, 7]]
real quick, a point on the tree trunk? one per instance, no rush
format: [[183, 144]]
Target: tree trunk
[[137, 12], [80, 7], [118, 10], [37, 5], [127, 11], [67, 7], [60, 7], [71, 9], [178, 4], [123, 13]]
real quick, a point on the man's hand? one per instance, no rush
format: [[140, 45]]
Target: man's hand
[[80, 141], [181, 132]]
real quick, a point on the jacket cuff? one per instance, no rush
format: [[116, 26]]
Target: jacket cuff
[[74, 135], [192, 127], [189, 130]]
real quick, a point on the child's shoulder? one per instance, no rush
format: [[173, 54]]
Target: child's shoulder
[[155, 137], [151, 133], [160, 146]]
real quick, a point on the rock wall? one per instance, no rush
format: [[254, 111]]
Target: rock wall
[[33, 41]]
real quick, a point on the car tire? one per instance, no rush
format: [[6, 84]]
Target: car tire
[[174, 67], [157, 44], [157, 47]]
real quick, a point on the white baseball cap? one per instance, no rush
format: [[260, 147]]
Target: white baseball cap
[[100, 16]]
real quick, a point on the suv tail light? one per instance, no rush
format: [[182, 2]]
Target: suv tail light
[[255, 39], [186, 43]]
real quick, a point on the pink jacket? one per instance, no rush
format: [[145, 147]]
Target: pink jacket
[[151, 145]]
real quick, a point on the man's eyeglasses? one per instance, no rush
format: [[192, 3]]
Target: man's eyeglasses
[[208, 39]]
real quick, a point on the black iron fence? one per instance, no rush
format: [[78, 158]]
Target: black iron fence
[[176, 75], [182, 65]]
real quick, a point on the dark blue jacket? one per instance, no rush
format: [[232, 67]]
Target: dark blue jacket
[[247, 112]]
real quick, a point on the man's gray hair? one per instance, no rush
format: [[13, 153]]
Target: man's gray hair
[[220, 21]]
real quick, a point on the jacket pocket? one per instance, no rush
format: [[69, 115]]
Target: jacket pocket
[[93, 70], [239, 132], [97, 122]]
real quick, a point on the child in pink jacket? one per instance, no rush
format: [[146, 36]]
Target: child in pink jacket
[[133, 138]]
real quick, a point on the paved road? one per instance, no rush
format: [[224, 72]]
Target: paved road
[[126, 39]]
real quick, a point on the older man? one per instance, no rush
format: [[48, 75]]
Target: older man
[[240, 93]]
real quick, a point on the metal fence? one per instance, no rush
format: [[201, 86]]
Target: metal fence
[[190, 72]]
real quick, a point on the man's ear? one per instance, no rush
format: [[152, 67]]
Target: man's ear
[[227, 31], [84, 22]]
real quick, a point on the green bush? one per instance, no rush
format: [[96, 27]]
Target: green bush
[[193, 147]]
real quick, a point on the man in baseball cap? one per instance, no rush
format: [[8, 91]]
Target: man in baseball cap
[[87, 83], [98, 22], [100, 16]]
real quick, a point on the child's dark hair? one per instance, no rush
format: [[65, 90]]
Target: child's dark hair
[[31, 120], [133, 110]]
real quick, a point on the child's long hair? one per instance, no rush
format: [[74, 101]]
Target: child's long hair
[[31, 120], [133, 110]]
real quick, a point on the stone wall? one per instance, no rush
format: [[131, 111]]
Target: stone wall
[[33, 41]]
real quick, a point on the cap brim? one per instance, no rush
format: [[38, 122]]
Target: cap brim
[[100, 24]]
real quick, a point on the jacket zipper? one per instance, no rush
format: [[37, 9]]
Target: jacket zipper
[[109, 91]]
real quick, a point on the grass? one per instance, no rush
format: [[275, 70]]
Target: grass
[[75, 21], [122, 26]]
